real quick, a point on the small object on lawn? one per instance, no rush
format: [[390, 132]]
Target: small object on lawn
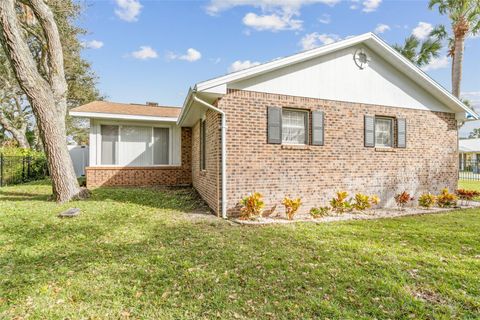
[[72, 212]]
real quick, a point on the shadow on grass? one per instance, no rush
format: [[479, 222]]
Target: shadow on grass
[[182, 199], [21, 196]]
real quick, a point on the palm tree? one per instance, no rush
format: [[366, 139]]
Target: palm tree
[[420, 53], [465, 21]]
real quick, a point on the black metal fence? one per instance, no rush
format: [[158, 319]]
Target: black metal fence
[[19, 169], [469, 170]]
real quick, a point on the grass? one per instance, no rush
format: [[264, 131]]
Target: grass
[[141, 254], [469, 184]]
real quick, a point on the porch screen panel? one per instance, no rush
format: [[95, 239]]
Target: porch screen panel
[[109, 145], [161, 145], [136, 146]]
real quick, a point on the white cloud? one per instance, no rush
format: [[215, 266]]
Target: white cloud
[[370, 5], [437, 63], [191, 55], [315, 39], [128, 10], [240, 65], [93, 44], [473, 97], [381, 28], [145, 53], [422, 31], [354, 4], [275, 15], [292, 6], [325, 19], [272, 22]]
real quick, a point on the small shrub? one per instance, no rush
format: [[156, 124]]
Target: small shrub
[[363, 202], [446, 199], [319, 212], [291, 206], [340, 204], [252, 206], [467, 195], [427, 200], [402, 199], [374, 200]]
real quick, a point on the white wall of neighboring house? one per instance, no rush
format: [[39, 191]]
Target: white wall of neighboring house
[[80, 158]]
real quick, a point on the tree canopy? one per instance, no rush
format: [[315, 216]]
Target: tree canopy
[[16, 117]]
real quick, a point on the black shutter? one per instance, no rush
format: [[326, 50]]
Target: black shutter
[[274, 125], [369, 125], [317, 128], [401, 133]]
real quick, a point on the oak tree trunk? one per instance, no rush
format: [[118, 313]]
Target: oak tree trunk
[[47, 95]]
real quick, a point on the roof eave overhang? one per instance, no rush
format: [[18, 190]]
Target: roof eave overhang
[[117, 116], [189, 114]]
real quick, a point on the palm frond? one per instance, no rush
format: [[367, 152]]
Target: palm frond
[[429, 49], [439, 32]]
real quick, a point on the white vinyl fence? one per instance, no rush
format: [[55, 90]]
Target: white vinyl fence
[[79, 155]]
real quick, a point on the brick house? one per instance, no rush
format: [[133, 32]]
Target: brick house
[[354, 115]]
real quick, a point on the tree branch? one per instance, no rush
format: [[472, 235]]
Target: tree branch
[[54, 49], [18, 51]]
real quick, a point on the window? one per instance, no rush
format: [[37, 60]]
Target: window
[[161, 139], [203, 141], [127, 145], [383, 132], [109, 144], [135, 144], [294, 126]]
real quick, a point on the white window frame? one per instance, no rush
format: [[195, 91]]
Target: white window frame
[[98, 143], [307, 127], [391, 132]]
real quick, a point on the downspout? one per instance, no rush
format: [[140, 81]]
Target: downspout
[[224, 152]]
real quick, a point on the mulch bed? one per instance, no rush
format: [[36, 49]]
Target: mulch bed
[[379, 213]]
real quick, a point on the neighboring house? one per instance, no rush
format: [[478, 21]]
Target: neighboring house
[[354, 115], [469, 154], [80, 157]]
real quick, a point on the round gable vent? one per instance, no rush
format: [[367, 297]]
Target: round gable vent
[[361, 58]]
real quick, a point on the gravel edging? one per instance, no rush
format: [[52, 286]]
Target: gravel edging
[[371, 214]]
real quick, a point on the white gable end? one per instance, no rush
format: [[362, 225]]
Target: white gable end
[[335, 76]]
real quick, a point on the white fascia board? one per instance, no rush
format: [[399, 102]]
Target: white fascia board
[[185, 107], [100, 115]]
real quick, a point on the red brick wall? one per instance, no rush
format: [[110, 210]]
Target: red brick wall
[[207, 182], [315, 173], [146, 176]]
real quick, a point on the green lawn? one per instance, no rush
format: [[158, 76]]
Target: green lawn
[[140, 254], [469, 185]]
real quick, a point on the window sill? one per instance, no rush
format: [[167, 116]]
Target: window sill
[[295, 147], [384, 149]]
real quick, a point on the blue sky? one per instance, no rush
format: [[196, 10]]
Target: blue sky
[[154, 50]]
